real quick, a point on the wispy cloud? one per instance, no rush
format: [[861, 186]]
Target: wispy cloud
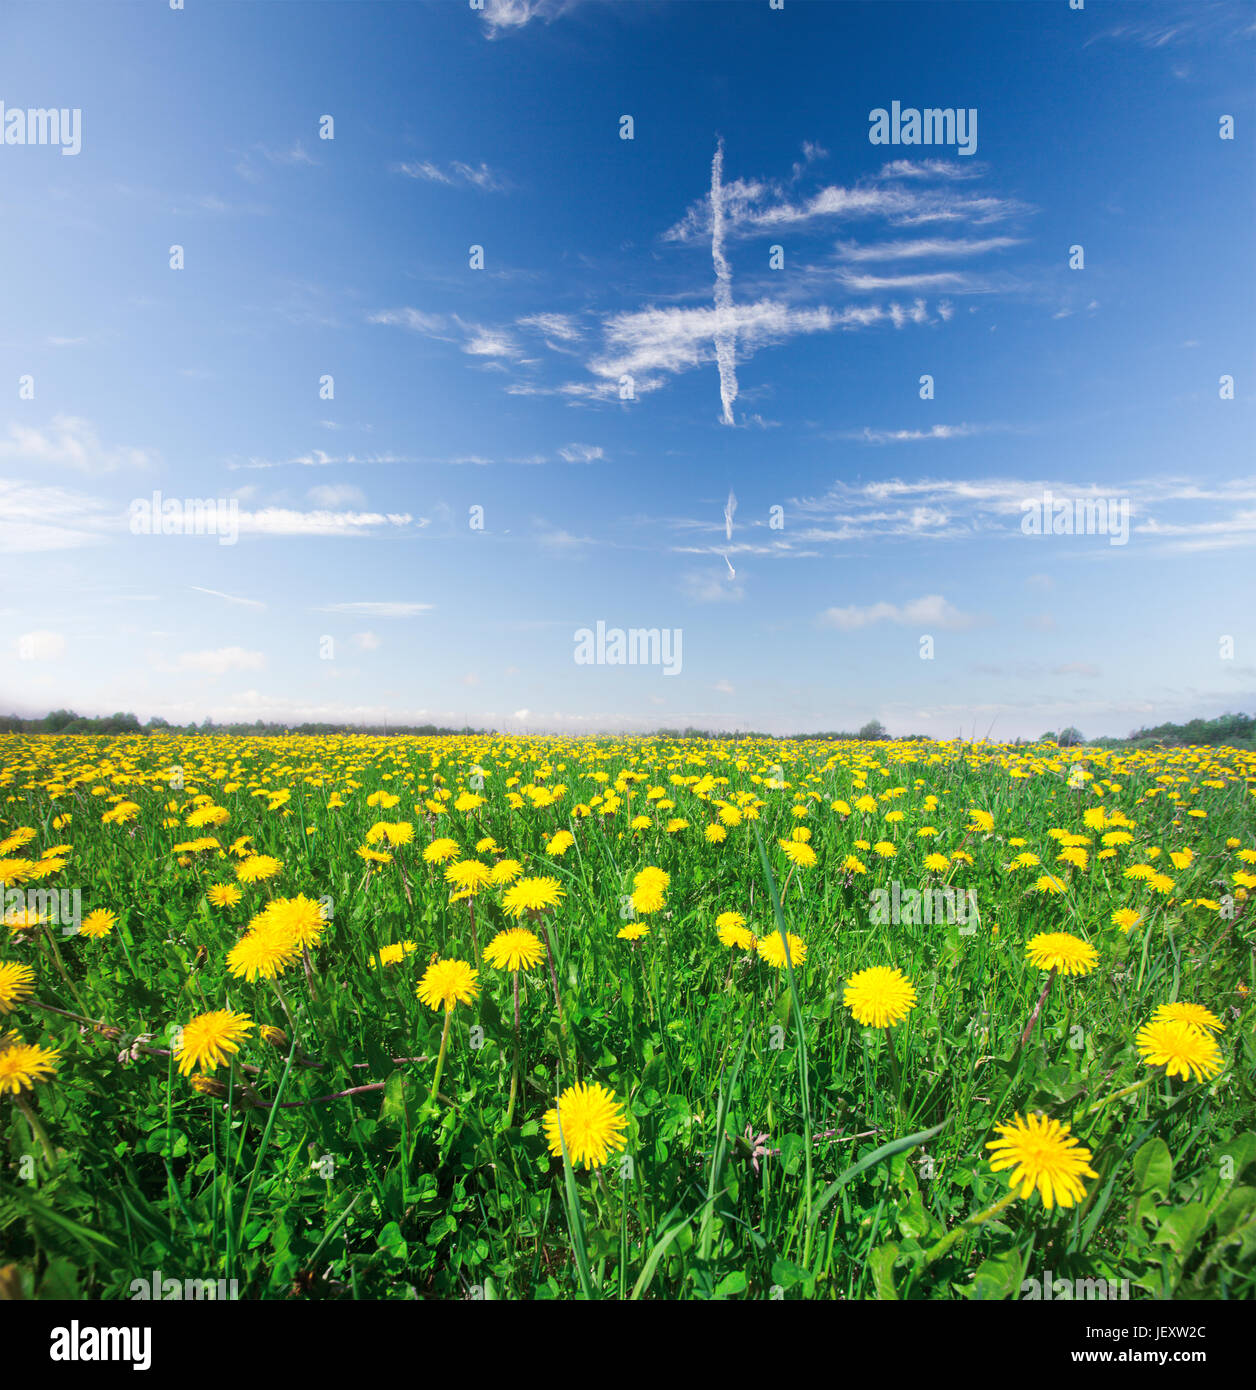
[[70, 442], [581, 453], [386, 608], [725, 327], [931, 611], [454, 174], [230, 598], [506, 16], [220, 660], [283, 521]]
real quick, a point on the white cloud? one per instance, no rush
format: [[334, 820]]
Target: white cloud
[[281, 521], [871, 436], [931, 611], [504, 16], [581, 453], [379, 609], [920, 248], [337, 495], [725, 328], [34, 518], [70, 442], [221, 660], [230, 598], [475, 176], [40, 645], [431, 325], [561, 326]]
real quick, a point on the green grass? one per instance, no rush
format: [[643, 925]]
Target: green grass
[[876, 1161]]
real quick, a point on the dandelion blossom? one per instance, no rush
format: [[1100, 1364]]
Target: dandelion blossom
[[264, 953], [257, 868], [772, 949], [1181, 1048], [1203, 1019], [1057, 950], [880, 996], [16, 982], [446, 983], [1042, 1154], [800, 855], [25, 1065], [514, 949], [209, 1040], [591, 1123], [531, 895], [98, 923]]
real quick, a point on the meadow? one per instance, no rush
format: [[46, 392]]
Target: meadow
[[524, 1017]]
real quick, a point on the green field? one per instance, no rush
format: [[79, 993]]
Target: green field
[[758, 1139]]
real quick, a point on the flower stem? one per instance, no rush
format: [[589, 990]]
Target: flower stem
[[1125, 1091], [951, 1237], [37, 1129], [1033, 1017], [440, 1060]]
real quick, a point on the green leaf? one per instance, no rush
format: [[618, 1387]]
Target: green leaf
[[999, 1277]]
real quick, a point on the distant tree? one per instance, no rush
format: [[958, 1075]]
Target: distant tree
[[1048, 737], [873, 729], [1071, 737]]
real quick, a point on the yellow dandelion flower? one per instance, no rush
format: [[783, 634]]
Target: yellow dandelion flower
[[208, 1041], [1057, 950], [25, 1065], [1181, 1048], [257, 868], [591, 1123], [799, 854], [1125, 918], [17, 982], [880, 997], [98, 923], [516, 948], [1042, 1154], [772, 949], [506, 872], [446, 983], [1185, 1012]]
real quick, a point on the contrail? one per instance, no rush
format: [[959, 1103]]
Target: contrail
[[730, 508], [725, 332]]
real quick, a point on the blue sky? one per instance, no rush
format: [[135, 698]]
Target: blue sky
[[500, 388]]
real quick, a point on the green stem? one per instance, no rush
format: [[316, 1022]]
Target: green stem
[[440, 1060], [37, 1129], [951, 1237]]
